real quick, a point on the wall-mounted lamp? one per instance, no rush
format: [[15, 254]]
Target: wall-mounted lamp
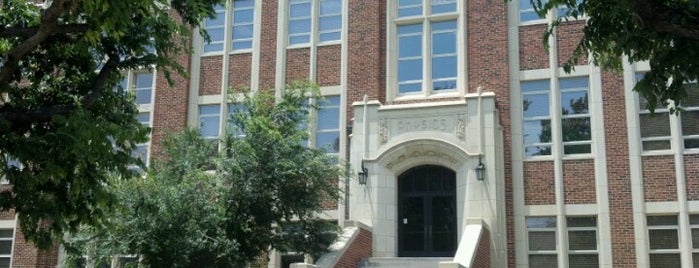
[[480, 170], [362, 174]]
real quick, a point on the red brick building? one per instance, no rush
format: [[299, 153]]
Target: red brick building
[[577, 173]]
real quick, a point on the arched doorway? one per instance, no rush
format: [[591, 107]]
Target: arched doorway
[[427, 212]]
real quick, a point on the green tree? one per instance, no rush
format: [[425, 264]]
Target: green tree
[[663, 32], [205, 207], [60, 114]]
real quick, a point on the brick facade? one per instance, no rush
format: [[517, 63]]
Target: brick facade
[[359, 249], [579, 182], [539, 184], [691, 170], [659, 180], [532, 53]]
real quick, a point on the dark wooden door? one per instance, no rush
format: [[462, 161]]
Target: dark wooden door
[[427, 212]]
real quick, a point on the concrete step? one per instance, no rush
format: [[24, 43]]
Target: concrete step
[[412, 262]]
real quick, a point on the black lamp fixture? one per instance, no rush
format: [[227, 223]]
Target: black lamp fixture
[[362, 174], [480, 170]]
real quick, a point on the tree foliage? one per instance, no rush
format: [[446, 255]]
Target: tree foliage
[[60, 116], [204, 207], [664, 33]]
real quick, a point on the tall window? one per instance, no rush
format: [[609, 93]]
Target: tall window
[[427, 37], [141, 83], [209, 120], [656, 130], [541, 234], [6, 238], [527, 13], [690, 118], [327, 134], [582, 239], [582, 242], [694, 224], [327, 19], [663, 241], [574, 116], [240, 27]]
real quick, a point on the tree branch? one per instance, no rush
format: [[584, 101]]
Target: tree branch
[[30, 31], [48, 24], [659, 18], [18, 117]]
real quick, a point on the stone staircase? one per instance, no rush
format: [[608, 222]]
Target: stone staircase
[[429, 262]]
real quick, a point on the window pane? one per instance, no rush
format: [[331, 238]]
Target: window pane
[[665, 260], [661, 220], [663, 239], [537, 150], [243, 3], [409, 8], [410, 88], [576, 129], [242, 32], [243, 16], [694, 219], [6, 247], [444, 43], [536, 105], [144, 86], [409, 70], [144, 119], [443, 6], [581, 221], [300, 10], [543, 261], [444, 85], [657, 125], [537, 131], [300, 26], [330, 7], [656, 145], [4, 262], [690, 123], [328, 118], [573, 83], [329, 36], [410, 46], [444, 67], [330, 23], [582, 240], [209, 118], [300, 39], [541, 222], [538, 85], [692, 95], [242, 45], [695, 238], [542, 240], [575, 102], [329, 141], [583, 261], [577, 149]]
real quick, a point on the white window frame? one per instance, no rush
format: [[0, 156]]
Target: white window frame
[[586, 228], [550, 16], [218, 123], [555, 113], [555, 251], [228, 38], [426, 19], [314, 121], [12, 245], [675, 121], [561, 91], [675, 227], [315, 16], [694, 225], [659, 111], [130, 79]]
